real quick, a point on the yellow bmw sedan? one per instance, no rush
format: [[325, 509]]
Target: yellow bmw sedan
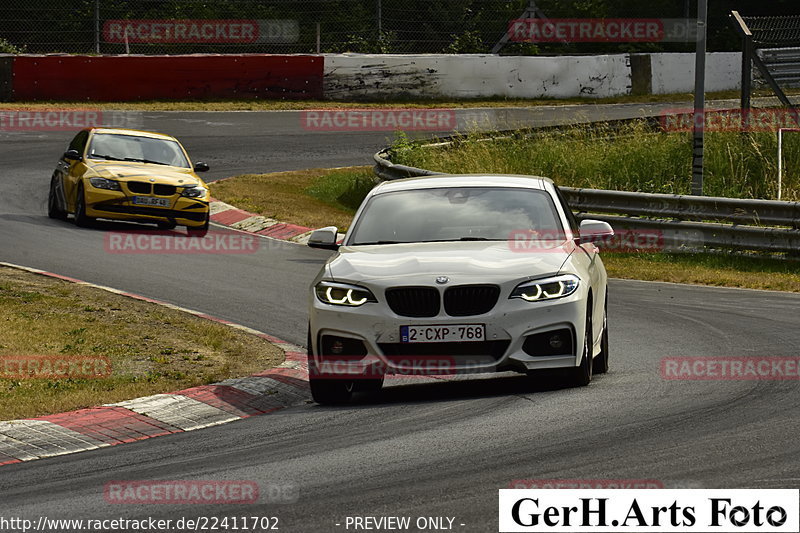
[[121, 174]]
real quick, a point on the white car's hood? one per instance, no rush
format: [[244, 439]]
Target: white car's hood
[[461, 262]]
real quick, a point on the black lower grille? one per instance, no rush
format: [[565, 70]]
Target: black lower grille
[[493, 349], [468, 300], [414, 301], [345, 347], [152, 211], [139, 187], [163, 190], [558, 342]]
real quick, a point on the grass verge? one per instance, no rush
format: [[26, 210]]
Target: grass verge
[[313, 198], [284, 105], [151, 349], [707, 269], [633, 158]]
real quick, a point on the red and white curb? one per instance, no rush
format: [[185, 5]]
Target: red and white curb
[[160, 414], [227, 215], [233, 217]]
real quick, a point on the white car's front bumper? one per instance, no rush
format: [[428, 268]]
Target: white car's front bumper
[[508, 325]]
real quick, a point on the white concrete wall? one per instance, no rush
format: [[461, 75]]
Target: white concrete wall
[[674, 73], [354, 76], [474, 75]]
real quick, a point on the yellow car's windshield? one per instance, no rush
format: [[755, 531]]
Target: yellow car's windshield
[[116, 147]]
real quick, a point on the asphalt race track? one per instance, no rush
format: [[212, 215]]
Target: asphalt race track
[[423, 448]]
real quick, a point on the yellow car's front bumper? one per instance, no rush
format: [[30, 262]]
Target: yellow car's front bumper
[[117, 205]]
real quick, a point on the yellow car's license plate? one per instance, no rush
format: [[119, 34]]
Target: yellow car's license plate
[[149, 200]]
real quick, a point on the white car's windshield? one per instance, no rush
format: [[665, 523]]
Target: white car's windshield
[[115, 147], [453, 214]]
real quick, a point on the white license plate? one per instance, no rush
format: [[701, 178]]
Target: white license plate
[[448, 333], [149, 200]]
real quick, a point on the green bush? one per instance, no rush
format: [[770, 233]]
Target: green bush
[[8, 48]]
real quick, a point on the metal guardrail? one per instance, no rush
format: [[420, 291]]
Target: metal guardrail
[[686, 222], [783, 64]]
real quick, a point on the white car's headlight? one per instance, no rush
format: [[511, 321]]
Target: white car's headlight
[[102, 183], [333, 293], [194, 192], [547, 289]]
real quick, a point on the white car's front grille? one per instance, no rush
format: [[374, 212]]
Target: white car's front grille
[[417, 302], [468, 300], [425, 302]]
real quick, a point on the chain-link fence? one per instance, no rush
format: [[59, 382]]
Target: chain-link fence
[[309, 26], [774, 31]]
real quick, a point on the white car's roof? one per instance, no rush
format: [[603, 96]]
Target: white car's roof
[[463, 180]]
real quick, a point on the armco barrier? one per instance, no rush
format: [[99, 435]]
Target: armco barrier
[[689, 222], [107, 78]]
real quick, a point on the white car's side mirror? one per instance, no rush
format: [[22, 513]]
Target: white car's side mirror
[[591, 230], [324, 238]]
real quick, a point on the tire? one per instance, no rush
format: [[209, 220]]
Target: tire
[[166, 225], [581, 376], [330, 391], [325, 391], [81, 220], [372, 385], [199, 231], [600, 365], [53, 211]]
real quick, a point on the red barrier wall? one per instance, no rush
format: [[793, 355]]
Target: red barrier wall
[[118, 78]]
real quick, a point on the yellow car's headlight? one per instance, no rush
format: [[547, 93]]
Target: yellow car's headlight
[[103, 183], [194, 192]]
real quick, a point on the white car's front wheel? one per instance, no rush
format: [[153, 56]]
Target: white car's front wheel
[[582, 375], [600, 364], [326, 390]]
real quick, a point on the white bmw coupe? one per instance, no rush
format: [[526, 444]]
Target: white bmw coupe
[[456, 274]]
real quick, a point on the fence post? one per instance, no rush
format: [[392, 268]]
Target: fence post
[[747, 63], [97, 27], [699, 99]]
